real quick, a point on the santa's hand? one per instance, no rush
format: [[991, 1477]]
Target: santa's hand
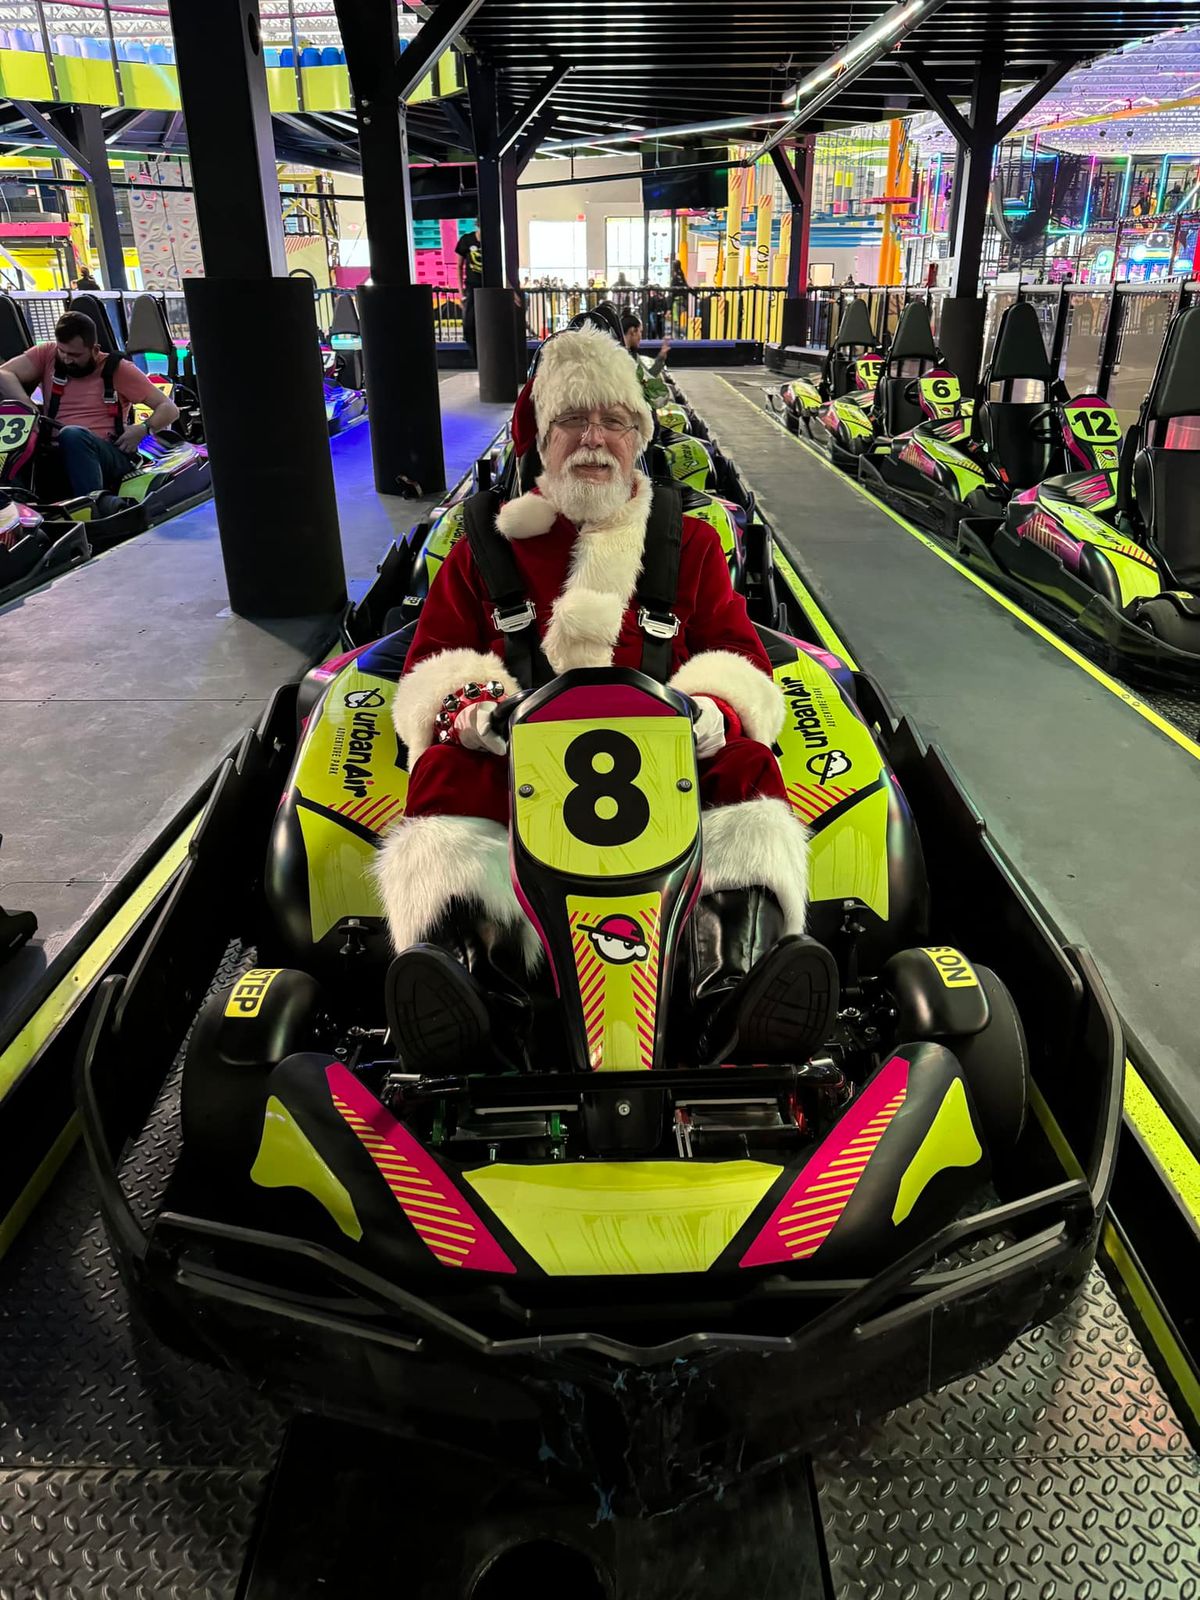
[[473, 725], [709, 727]]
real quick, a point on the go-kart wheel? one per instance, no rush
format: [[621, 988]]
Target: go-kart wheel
[[240, 1035], [939, 995]]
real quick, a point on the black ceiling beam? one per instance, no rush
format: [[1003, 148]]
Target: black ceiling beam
[[540, 128], [435, 37], [45, 124], [1032, 97], [937, 100], [459, 123], [793, 183], [512, 129]]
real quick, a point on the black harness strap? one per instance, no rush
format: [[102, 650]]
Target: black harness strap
[[512, 611], [659, 582], [112, 400]]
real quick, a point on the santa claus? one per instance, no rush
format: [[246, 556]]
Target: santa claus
[[762, 991]]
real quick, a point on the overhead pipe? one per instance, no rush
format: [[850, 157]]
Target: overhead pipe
[[826, 82]]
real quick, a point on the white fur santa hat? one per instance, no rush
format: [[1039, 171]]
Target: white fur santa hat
[[580, 369]]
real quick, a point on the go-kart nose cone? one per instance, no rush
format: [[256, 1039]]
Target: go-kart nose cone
[[619, 939]]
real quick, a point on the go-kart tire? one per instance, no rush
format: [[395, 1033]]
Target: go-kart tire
[[996, 1064], [229, 1061]]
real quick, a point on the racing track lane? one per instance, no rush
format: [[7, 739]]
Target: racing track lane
[[1096, 806]]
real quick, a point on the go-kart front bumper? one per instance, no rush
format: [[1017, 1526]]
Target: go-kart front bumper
[[1036, 578], [653, 1396]]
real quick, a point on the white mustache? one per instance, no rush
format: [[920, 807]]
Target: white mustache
[[591, 457]]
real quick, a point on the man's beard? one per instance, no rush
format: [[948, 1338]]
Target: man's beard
[[83, 370], [583, 502]]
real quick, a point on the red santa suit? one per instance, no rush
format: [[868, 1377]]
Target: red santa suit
[[452, 844]]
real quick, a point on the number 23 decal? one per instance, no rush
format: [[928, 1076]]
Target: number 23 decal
[[15, 430]]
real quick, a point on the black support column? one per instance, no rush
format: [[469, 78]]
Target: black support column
[[396, 312], [797, 185], [960, 333], [78, 131], [495, 327], [271, 469]]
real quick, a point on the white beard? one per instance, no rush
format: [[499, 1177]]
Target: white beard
[[584, 503]]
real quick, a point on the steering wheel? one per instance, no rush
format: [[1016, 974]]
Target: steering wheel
[[1043, 425], [504, 711]]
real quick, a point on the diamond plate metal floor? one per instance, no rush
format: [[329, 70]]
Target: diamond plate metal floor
[[1059, 1473], [125, 1471]]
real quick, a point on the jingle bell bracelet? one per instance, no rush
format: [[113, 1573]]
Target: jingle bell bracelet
[[471, 694]]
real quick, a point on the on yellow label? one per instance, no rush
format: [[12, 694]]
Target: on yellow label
[[250, 991], [953, 968], [603, 799]]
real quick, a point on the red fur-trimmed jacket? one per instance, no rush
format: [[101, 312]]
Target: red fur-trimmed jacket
[[582, 586]]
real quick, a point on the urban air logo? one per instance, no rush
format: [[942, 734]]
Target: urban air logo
[[358, 749], [619, 940], [828, 765], [806, 717]]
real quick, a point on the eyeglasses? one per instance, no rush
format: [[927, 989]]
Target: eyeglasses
[[575, 422]]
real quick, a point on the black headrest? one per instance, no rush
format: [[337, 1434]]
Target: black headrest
[[914, 335], [1175, 391], [855, 326], [148, 331], [345, 315], [1020, 350], [103, 314], [15, 337]]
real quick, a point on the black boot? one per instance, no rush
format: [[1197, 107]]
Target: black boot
[[759, 996], [455, 1003]]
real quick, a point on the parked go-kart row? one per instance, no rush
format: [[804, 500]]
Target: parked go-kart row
[[615, 1259], [44, 532], [1038, 489]]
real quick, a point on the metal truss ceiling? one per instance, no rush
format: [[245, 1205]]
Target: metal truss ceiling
[[647, 63]]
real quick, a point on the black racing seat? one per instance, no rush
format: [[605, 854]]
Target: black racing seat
[[1166, 470], [149, 334], [15, 336], [854, 336], [106, 315], [913, 352], [1016, 428], [345, 316]]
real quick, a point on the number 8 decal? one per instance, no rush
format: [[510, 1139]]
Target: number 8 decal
[[604, 807]]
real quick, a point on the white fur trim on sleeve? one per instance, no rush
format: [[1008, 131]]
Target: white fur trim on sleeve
[[757, 699], [759, 843], [425, 863], [527, 517], [420, 693]]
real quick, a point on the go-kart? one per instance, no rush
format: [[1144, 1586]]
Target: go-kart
[[345, 399], [963, 459], [167, 475], [32, 552], [611, 1263], [1110, 551], [833, 412]]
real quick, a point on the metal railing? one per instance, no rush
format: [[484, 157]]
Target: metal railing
[[1101, 340]]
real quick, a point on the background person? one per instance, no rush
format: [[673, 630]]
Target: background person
[[95, 447], [469, 250], [631, 327]]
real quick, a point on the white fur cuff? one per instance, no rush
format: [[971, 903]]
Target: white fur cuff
[[426, 863], [420, 693], [724, 674], [759, 843], [527, 517], [583, 628]]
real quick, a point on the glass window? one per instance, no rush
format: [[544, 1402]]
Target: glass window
[[558, 250]]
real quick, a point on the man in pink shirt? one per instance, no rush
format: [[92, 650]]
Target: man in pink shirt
[[96, 442]]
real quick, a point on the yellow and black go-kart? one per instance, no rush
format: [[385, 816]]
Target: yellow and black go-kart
[[610, 1260]]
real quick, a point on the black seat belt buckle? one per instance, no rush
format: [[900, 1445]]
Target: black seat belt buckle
[[512, 619], [658, 625]]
